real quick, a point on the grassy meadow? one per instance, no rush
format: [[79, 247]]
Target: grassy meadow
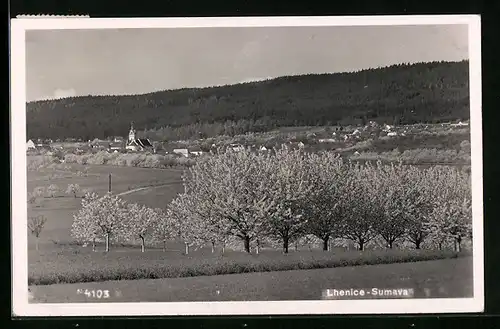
[[448, 278], [71, 266]]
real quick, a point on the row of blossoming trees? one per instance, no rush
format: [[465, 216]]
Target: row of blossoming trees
[[279, 198]]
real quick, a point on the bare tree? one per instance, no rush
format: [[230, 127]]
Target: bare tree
[[36, 225]]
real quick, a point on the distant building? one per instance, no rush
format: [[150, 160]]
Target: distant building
[[116, 146], [98, 144], [195, 151], [30, 145], [183, 152], [387, 128], [137, 144], [42, 145]]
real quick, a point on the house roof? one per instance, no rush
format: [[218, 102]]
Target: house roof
[[144, 142]]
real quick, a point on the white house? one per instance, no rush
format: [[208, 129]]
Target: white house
[[183, 152], [30, 145], [263, 148], [391, 134], [196, 151], [116, 146]]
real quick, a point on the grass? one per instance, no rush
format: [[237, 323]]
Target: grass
[[72, 266], [59, 210], [448, 278]]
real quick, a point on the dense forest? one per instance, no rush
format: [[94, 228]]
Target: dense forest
[[398, 94]]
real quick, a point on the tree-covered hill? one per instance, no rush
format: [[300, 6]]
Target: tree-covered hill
[[399, 94]]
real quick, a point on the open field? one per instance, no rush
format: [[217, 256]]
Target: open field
[[59, 209], [449, 278], [79, 265]]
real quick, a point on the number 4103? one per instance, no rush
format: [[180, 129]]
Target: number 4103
[[91, 293]]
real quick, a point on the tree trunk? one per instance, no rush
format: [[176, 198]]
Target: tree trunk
[[107, 242], [143, 244], [325, 243], [418, 242], [440, 245], [285, 245], [390, 244], [257, 247], [223, 248], [74, 193], [93, 244], [361, 244], [164, 245], [187, 248], [246, 242], [459, 244], [213, 247]]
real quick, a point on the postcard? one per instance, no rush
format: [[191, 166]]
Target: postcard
[[246, 166]]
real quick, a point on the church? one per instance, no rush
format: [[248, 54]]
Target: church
[[137, 144]]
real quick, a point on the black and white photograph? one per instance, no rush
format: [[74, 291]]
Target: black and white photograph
[[273, 165]]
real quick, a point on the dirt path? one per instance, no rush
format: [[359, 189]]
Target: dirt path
[[147, 187]]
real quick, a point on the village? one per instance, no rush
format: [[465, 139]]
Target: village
[[310, 138]]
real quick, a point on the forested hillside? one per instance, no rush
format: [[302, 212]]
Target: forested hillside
[[399, 94]]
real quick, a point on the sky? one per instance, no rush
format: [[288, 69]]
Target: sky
[[65, 63]]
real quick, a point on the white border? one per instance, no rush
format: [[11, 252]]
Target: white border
[[21, 307]]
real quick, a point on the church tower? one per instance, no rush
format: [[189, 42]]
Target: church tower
[[131, 133]]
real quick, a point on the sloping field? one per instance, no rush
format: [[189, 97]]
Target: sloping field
[[450, 278], [59, 209]]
